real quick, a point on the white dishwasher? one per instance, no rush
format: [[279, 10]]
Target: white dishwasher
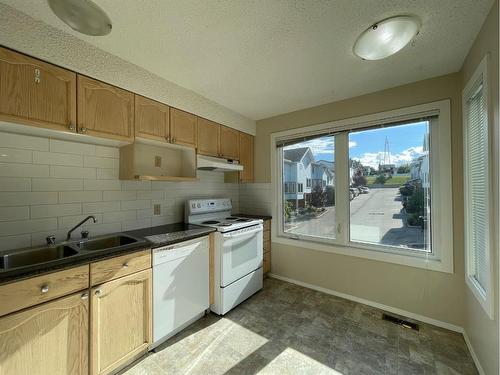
[[180, 287]]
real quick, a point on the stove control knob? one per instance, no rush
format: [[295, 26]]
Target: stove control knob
[[198, 205]]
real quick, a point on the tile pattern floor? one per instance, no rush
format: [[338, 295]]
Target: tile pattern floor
[[288, 329]]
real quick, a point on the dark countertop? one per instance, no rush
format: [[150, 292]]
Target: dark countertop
[[175, 233], [263, 217]]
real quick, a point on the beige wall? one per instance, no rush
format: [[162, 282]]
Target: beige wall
[[482, 331], [25, 34], [432, 294]]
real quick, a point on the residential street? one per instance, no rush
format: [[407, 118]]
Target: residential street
[[375, 217]]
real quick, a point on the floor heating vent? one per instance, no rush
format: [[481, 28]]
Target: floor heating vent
[[401, 322]]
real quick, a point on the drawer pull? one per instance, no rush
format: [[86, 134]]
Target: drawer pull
[[85, 295], [98, 292], [44, 289], [125, 265]]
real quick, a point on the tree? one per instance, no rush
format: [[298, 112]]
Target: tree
[[402, 169], [330, 195], [318, 197], [358, 179]]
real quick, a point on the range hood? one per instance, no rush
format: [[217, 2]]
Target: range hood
[[209, 163]]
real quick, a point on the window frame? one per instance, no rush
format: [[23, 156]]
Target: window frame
[[484, 295], [442, 230]]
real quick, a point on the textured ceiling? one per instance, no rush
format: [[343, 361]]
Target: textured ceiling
[[266, 57]]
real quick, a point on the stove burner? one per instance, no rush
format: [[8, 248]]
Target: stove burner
[[224, 225], [231, 218], [211, 222], [243, 220]]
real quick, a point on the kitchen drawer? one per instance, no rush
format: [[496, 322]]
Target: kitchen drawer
[[21, 294], [267, 236], [267, 262], [267, 225], [114, 268]]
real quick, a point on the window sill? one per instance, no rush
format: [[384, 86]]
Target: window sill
[[428, 263]]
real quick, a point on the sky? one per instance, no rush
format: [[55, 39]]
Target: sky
[[367, 146]]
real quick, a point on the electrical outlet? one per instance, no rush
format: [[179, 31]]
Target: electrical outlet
[[158, 161], [156, 209]]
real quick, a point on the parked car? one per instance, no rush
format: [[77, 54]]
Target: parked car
[[364, 190], [354, 192]]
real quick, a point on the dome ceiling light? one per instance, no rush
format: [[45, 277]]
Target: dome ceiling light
[[386, 37], [83, 16]]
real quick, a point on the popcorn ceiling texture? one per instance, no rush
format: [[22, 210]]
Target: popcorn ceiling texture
[[25, 34]]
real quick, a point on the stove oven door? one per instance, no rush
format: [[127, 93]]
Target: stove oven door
[[241, 253]]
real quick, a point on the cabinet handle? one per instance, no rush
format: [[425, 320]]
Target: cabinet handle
[[37, 75], [168, 139], [125, 265], [71, 127], [85, 295], [44, 289], [98, 292], [82, 130], [173, 140]]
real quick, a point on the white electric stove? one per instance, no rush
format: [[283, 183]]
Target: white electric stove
[[238, 251]]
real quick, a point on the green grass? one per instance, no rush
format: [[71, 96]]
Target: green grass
[[395, 180]]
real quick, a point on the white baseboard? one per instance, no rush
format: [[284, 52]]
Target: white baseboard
[[394, 310], [377, 305], [473, 354]]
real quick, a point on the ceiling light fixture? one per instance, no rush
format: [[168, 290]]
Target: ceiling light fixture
[[83, 16], [386, 37]]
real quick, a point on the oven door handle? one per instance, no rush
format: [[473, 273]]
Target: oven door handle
[[243, 233]]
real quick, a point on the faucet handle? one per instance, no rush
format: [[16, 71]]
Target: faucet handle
[[84, 234], [51, 239]]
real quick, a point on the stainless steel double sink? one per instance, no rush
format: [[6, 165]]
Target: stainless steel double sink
[[12, 259]]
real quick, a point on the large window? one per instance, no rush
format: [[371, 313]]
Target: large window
[[389, 178], [308, 213], [368, 184], [477, 188]]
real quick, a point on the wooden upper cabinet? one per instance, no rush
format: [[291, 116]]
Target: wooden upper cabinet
[[246, 157], [152, 119], [121, 324], [49, 339], [208, 137], [183, 127], [105, 110], [229, 143], [36, 93]]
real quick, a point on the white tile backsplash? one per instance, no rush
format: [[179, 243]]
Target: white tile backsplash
[[74, 180], [15, 184]]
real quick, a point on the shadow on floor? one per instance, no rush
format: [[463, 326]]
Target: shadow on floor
[[288, 329]]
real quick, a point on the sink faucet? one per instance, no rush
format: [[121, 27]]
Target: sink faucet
[[68, 237]]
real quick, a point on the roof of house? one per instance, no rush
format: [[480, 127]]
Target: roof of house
[[295, 154]]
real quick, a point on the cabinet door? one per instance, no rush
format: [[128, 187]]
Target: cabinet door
[[208, 137], [104, 110], [48, 339], [246, 157], [183, 127], [121, 325], [152, 119], [229, 143], [36, 93]]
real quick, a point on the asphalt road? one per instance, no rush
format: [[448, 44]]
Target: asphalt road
[[376, 218]]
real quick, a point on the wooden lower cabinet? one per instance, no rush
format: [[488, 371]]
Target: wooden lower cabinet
[[121, 321], [267, 247], [49, 339]]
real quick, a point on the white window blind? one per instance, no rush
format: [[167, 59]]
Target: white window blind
[[478, 185]]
